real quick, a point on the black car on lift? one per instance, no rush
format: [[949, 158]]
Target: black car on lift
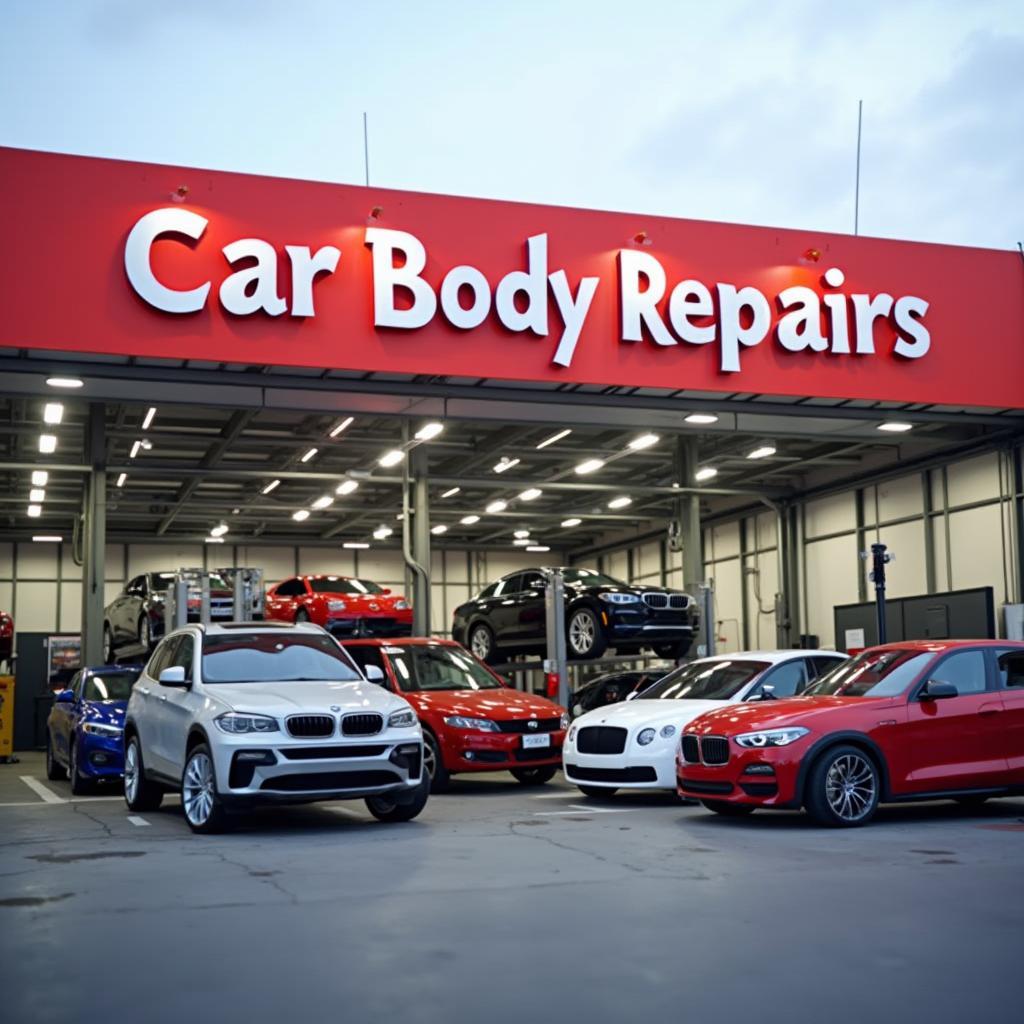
[[509, 617]]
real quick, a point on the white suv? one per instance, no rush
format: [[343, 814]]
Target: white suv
[[243, 713]]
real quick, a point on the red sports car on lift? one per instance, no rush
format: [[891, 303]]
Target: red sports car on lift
[[343, 605], [921, 720], [473, 721]]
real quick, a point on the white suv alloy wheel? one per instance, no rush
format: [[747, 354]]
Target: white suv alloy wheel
[[197, 793]]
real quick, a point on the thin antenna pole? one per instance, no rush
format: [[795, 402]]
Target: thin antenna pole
[[856, 187], [366, 150]]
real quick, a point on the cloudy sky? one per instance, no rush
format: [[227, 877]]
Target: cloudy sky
[[738, 111]]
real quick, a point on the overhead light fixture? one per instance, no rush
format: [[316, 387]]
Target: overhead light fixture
[[469, 520], [521, 542], [707, 473], [37, 494], [505, 463], [571, 522], [148, 421], [356, 545], [530, 494], [589, 466], [439, 529], [35, 511], [48, 538], [300, 515], [121, 479], [429, 431], [39, 477], [391, 458], [701, 418], [346, 487], [271, 486], [235, 511], [323, 502], [136, 448], [451, 492], [64, 382], [219, 530], [538, 547], [343, 425], [47, 443], [497, 506], [214, 540], [521, 533], [896, 428], [383, 532], [620, 502], [53, 412], [638, 444], [763, 452], [554, 438], [309, 454]]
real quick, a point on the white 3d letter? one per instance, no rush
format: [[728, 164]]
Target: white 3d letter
[[233, 294], [533, 282], [304, 269], [691, 298], [907, 308], [573, 311], [800, 328], [639, 309], [387, 277], [136, 259], [730, 304], [471, 278]]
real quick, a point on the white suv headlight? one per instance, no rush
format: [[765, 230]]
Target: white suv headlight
[[771, 737], [404, 719], [236, 722]]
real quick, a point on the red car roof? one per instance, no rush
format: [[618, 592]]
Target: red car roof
[[942, 645], [400, 641]]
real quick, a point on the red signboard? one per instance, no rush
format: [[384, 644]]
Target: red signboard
[[105, 256]]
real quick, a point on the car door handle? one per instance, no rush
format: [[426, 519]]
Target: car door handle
[[990, 709], [143, 691]]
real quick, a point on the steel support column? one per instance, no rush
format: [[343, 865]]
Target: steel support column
[[416, 531], [94, 536], [687, 515]]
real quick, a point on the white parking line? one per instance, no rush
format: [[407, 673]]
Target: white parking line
[[552, 796], [136, 820], [41, 791], [73, 800], [584, 810]]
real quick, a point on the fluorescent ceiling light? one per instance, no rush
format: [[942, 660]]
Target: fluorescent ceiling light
[[383, 532], [521, 533], [391, 458], [505, 463], [554, 438], [701, 418], [214, 540], [121, 479], [571, 522], [64, 382], [219, 530], [309, 454], [39, 477], [323, 502], [357, 545], [538, 547], [589, 466], [707, 473], [896, 428], [35, 511], [497, 506], [638, 444], [429, 431], [531, 494], [148, 421], [53, 412], [763, 452], [469, 520], [47, 444], [620, 502], [37, 494], [343, 425], [521, 542], [439, 529], [271, 486], [46, 538], [451, 492], [302, 513], [346, 487], [136, 448]]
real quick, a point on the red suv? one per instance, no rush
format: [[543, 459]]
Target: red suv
[[343, 605], [473, 721], [907, 721]]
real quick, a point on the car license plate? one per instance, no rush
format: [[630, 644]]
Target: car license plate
[[537, 741]]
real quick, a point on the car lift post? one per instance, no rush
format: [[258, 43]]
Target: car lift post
[[556, 662], [879, 560], [707, 619]]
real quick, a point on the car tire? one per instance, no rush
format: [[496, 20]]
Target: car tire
[[727, 809], [584, 634], [843, 788], [481, 643], [108, 645], [596, 792], [139, 793], [675, 651], [200, 801], [53, 770], [80, 785], [400, 807], [302, 615], [534, 776], [433, 765]]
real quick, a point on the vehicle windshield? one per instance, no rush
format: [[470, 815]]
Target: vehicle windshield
[[705, 680], [590, 578], [429, 668], [273, 658], [342, 585], [113, 684], [160, 581], [871, 674]]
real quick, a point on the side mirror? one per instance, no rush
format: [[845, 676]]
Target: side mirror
[[632, 695], [173, 676], [936, 689], [65, 697], [386, 590], [374, 674], [577, 710]]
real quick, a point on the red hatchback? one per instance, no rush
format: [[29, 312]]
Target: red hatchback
[[907, 721], [473, 721], [343, 605]]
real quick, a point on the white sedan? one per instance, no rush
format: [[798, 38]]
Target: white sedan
[[633, 745]]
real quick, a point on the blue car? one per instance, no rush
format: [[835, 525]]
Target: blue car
[[85, 730]]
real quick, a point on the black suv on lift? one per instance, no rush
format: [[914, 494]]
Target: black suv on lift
[[508, 617]]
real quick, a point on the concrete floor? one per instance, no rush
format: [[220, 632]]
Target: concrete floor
[[505, 904]]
